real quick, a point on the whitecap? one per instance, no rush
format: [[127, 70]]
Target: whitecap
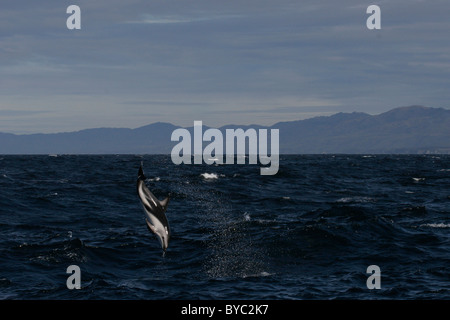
[[418, 179], [209, 175], [257, 275], [436, 225], [355, 199]]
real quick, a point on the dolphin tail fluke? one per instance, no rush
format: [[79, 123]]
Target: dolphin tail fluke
[[141, 173]]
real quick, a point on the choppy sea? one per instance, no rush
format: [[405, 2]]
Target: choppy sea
[[308, 232]]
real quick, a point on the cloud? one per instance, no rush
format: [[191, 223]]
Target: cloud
[[175, 19], [20, 113], [164, 103]]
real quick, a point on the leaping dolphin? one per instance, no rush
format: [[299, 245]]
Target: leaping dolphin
[[154, 211]]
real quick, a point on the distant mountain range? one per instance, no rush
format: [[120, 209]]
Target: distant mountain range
[[405, 130]]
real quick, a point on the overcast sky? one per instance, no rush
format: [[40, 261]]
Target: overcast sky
[[137, 62]]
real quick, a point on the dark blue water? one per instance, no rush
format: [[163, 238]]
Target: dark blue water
[[309, 232]]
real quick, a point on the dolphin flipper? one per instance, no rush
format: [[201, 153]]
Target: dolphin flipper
[[164, 203]]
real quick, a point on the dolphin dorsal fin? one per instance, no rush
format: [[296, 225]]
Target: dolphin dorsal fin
[[164, 203]]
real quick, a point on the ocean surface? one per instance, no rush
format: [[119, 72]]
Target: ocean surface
[[309, 232]]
